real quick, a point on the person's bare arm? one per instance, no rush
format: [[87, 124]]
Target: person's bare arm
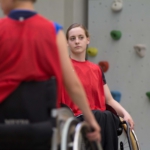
[[118, 108], [73, 85]]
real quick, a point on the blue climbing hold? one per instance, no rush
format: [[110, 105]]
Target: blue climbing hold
[[116, 95]]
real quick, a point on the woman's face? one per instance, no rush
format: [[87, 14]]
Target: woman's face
[[6, 6], [77, 40]]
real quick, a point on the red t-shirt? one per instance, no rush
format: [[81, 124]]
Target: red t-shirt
[[90, 76], [28, 52]]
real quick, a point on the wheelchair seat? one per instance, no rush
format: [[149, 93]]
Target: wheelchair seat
[[25, 116]]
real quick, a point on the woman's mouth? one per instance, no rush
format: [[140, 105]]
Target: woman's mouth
[[77, 47]]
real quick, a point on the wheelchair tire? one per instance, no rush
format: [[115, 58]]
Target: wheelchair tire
[[68, 134], [80, 140], [133, 139]]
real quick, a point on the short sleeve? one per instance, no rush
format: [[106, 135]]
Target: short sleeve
[[57, 27], [103, 76]]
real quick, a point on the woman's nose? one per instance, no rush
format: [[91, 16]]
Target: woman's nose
[[77, 40]]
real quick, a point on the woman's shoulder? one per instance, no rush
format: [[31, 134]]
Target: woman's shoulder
[[92, 64]]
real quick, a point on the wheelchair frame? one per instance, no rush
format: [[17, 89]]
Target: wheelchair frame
[[66, 134]]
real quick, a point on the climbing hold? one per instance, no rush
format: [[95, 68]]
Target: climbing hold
[[116, 35], [148, 94], [92, 51], [116, 95], [117, 5], [140, 49], [104, 65]]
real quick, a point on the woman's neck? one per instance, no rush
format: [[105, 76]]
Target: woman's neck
[[24, 5], [78, 57]]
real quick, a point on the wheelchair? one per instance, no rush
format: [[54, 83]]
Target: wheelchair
[[69, 133], [29, 120], [127, 139]]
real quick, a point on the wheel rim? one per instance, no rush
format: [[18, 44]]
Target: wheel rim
[[80, 140], [123, 141], [68, 134]]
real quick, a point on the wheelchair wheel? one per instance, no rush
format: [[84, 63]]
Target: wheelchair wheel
[[63, 116], [127, 140], [68, 134], [134, 140], [80, 140]]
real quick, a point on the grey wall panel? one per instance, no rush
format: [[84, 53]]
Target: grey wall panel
[[52, 9], [68, 17], [64, 12], [75, 12], [128, 73], [80, 11], [1, 14]]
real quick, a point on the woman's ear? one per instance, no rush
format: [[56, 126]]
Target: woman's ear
[[88, 41]]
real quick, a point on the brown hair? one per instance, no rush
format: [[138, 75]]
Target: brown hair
[[77, 25]]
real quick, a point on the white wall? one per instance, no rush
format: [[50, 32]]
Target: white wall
[[128, 73]]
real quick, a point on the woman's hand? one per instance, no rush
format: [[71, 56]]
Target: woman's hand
[[129, 119]]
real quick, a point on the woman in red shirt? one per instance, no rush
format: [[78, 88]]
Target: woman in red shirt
[[97, 91]]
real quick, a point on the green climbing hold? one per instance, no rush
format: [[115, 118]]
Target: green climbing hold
[[116, 35], [148, 94]]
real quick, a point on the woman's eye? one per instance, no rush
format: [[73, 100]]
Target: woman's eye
[[72, 38], [81, 37]]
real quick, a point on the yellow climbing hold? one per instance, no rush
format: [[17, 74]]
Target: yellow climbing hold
[[92, 51]]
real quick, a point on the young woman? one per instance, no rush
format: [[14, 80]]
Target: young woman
[[33, 48], [97, 90]]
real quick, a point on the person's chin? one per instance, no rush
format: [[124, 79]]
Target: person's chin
[[78, 51]]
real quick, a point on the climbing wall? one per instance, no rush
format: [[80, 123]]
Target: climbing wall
[[128, 73]]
